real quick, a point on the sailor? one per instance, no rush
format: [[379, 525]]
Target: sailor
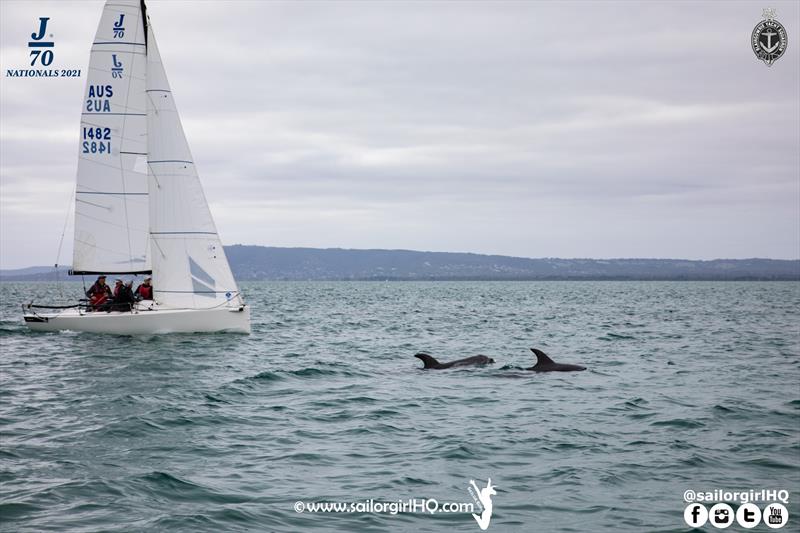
[[117, 287], [123, 297], [98, 293], [145, 290]]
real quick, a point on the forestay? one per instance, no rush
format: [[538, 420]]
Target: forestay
[[111, 197]]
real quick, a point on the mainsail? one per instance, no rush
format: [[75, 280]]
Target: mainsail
[[111, 197], [189, 264]]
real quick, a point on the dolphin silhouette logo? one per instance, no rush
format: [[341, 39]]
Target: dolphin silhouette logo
[[485, 496]]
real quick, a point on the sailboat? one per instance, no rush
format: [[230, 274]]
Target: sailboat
[[139, 204]]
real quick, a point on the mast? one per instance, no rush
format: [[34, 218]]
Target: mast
[[143, 9]]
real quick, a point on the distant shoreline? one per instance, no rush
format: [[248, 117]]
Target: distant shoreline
[[264, 263]]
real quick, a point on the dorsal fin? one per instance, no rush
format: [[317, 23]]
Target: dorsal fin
[[542, 358], [429, 361]]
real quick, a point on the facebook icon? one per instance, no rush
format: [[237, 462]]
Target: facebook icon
[[695, 514]]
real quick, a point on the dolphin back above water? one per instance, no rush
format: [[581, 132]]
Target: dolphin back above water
[[432, 363], [545, 364]]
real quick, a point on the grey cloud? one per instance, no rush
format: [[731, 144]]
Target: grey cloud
[[526, 128]]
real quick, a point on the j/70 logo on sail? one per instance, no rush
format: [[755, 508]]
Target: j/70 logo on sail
[[119, 29], [37, 42], [116, 69]]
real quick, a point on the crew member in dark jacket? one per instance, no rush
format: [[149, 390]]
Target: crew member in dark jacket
[[99, 293], [118, 284], [123, 297]]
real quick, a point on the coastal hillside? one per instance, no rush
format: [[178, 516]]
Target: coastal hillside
[[272, 263]]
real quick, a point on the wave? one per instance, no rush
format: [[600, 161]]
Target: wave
[[9, 510], [766, 462], [615, 337], [686, 423], [172, 487], [302, 373]]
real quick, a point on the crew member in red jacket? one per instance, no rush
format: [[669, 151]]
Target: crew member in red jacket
[[145, 290]]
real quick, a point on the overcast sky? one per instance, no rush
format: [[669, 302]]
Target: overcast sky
[[577, 129]]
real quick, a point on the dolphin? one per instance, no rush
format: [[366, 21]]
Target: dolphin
[[545, 364], [430, 362]]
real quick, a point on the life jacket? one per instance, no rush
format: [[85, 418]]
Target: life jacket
[[98, 298], [146, 292]]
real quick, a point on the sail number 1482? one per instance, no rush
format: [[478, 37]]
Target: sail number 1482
[[100, 142]]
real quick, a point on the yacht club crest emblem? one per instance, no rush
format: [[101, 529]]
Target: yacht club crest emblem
[[769, 38]]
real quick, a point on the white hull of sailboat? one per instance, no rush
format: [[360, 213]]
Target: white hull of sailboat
[[145, 322]]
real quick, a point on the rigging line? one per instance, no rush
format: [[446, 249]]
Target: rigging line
[[107, 250], [61, 240], [226, 302], [192, 292], [155, 241], [109, 165], [151, 172], [114, 165], [107, 208], [106, 222], [152, 102]]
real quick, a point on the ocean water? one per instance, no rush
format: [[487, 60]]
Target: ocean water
[[690, 386]]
